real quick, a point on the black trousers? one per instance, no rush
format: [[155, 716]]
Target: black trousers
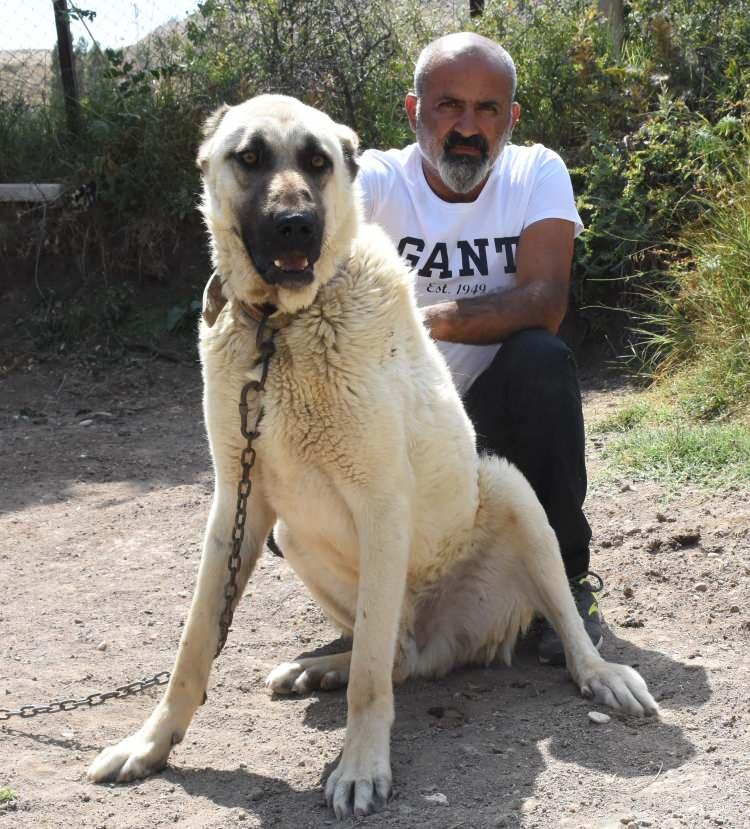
[[526, 407]]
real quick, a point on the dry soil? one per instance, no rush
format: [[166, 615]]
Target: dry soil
[[106, 484]]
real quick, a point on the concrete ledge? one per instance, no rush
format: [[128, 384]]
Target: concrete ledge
[[29, 192]]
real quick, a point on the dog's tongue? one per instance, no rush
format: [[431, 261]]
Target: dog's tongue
[[291, 263]]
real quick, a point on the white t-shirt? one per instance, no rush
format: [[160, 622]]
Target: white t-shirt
[[463, 250]]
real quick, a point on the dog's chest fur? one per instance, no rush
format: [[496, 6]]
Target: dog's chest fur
[[330, 377]]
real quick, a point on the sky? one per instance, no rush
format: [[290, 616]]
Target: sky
[[30, 24]]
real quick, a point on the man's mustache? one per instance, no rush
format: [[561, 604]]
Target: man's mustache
[[455, 139]]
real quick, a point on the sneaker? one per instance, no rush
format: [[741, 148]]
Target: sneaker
[[550, 649]]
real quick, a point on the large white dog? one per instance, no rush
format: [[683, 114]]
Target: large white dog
[[429, 556]]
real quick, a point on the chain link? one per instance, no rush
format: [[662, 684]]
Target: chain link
[[266, 349]]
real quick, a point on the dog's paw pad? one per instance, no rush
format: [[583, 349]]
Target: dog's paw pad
[[310, 674], [131, 759], [621, 688], [283, 678]]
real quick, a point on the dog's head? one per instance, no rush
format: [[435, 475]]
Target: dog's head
[[278, 199]]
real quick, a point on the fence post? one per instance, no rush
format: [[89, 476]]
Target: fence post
[[614, 11], [67, 66]]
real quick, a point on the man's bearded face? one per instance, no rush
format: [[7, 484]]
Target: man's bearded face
[[463, 119], [463, 162]]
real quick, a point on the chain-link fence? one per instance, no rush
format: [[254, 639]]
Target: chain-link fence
[[29, 50], [27, 41]]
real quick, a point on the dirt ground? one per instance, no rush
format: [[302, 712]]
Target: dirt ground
[[106, 484]]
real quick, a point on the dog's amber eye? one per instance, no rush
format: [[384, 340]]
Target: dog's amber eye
[[318, 162], [249, 157]]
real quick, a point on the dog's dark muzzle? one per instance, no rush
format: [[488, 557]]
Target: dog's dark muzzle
[[287, 248]]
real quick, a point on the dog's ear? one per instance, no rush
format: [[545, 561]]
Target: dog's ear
[[213, 299], [350, 146], [210, 126]]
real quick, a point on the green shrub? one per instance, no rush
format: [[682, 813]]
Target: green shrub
[[640, 133]]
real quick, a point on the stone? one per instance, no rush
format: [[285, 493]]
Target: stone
[[102, 646], [599, 718], [437, 797], [530, 805]]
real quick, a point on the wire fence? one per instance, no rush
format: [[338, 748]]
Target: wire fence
[[29, 52]]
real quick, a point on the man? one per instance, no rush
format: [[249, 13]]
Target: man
[[488, 229]]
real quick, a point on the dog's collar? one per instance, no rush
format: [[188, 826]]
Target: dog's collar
[[214, 301], [270, 313]]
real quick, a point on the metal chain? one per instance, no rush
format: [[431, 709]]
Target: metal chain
[[266, 350], [136, 687]]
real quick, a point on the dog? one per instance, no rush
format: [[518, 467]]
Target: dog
[[428, 555]]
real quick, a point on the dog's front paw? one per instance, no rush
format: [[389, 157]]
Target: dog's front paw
[[358, 788], [620, 687], [135, 757]]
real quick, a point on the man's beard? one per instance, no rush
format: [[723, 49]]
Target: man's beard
[[462, 173]]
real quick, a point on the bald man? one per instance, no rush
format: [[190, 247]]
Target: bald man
[[488, 228]]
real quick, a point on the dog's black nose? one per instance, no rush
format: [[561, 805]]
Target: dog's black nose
[[295, 227]]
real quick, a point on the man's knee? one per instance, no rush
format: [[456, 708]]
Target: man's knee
[[534, 355]]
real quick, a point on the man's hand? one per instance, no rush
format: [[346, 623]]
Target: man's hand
[[537, 299]]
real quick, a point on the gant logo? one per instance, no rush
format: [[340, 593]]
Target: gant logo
[[473, 256]]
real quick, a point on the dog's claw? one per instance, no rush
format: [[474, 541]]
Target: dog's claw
[[357, 795]]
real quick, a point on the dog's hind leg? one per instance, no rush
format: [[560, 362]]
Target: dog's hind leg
[[332, 586], [335, 591], [147, 750], [534, 567]]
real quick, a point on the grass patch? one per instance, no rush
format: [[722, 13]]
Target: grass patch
[[623, 420], [706, 454], [650, 439], [7, 795]]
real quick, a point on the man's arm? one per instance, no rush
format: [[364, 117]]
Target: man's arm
[[537, 299]]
